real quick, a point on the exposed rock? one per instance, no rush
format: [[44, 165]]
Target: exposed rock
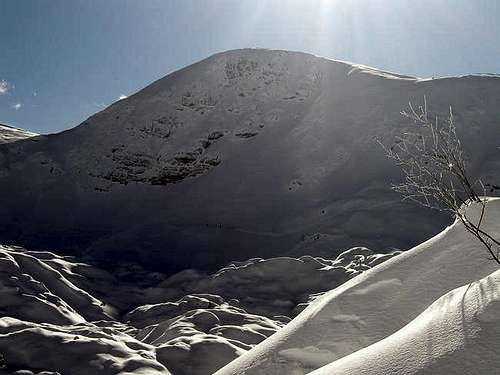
[[246, 133]]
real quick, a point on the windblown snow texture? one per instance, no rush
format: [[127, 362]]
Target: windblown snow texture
[[431, 310], [61, 316]]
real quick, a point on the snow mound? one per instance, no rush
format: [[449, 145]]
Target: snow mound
[[50, 301], [199, 333], [146, 315], [79, 349], [459, 333], [381, 301], [277, 286], [270, 287], [11, 134], [34, 286]]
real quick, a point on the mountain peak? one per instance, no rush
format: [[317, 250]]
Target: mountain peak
[[9, 133], [246, 152]]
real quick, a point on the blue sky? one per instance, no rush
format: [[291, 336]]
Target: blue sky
[[63, 60]]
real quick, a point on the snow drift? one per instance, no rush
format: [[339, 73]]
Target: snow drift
[[457, 334], [33, 286], [380, 322], [50, 302]]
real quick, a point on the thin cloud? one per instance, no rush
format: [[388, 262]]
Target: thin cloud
[[17, 106], [4, 87]]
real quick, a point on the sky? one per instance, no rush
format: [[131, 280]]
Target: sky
[[64, 60]]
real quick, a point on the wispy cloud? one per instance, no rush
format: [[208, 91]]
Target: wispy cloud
[[121, 97], [17, 106], [4, 87]]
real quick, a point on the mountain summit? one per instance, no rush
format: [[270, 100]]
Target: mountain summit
[[247, 153]]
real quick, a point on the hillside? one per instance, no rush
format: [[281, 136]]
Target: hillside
[[247, 153]]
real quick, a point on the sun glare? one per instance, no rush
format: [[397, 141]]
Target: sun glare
[[326, 5]]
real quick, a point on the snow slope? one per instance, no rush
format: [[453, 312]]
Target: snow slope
[[457, 334], [356, 320], [10, 134], [248, 153]]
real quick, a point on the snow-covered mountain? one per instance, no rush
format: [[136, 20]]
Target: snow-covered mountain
[[432, 310], [10, 134], [247, 153]]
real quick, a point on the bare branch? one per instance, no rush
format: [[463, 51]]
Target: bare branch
[[434, 170]]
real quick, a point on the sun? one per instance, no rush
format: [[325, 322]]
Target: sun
[[326, 4]]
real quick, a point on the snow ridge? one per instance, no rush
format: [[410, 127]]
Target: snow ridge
[[380, 322]]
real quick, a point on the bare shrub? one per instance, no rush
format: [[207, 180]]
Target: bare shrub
[[434, 171]]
